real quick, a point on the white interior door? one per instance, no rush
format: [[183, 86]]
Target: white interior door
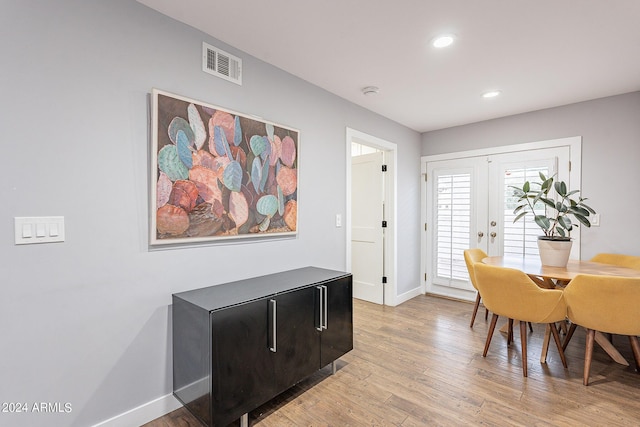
[[469, 204], [367, 233]]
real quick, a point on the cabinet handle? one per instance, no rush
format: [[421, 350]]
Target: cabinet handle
[[274, 317], [324, 323], [320, 305]]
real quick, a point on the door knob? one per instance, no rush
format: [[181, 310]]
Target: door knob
[[493, 223], [493, 234], [480, 234]]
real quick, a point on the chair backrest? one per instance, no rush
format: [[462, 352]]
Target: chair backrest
[[472, 256], [629, 261], [511, 293], [605, 303]]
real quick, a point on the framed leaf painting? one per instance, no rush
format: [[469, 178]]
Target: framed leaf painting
[[218, 174]]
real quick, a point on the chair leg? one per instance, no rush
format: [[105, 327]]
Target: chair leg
[[523, 340], [486, 313], [475, 310], [567, 338], [588, 354], [510, 332], [492, 326], [635, 346], [530, 327], [556, 338]]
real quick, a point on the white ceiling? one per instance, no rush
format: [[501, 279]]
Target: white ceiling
[[539, 53]]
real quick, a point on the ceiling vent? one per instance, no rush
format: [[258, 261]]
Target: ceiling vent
[[221, 64]]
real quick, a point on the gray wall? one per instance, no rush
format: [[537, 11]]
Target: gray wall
[[87, 321], [610, 130]]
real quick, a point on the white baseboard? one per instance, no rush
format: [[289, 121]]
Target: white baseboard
[[408, 295], [143, 413]]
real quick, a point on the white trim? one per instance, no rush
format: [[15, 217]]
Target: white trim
[[409, 294], [391, 240], [144, 413], [574, 142]]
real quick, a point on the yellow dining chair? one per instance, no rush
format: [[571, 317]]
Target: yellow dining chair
[[472, 256], [607, 304], [629, 261], [511, 293]]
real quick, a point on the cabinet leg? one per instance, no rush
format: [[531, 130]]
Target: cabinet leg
[[244, 420], [334, 367]]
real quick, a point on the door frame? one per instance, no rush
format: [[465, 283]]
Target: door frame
[[575, 176], [390, 238]]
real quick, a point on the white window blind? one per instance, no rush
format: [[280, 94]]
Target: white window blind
[[453, 225], [520, 239]]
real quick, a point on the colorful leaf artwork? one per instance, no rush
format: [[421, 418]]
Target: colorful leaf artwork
[[238, 208], [197, 125], [287, 179], [237, 134], [226, 122], [265, 174], [180, 124], [184, 194], [258, 144], [206, 182], [276, 150], [267, 205], [172, 220], [243, 182], [169, 163], [220, 142], [184, 152], [232, 177], [288, 153], [163, 189], [256, 173], [291, 214]]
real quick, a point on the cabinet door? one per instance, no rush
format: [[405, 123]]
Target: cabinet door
[[337, 338], [297, 341], [242, 375]]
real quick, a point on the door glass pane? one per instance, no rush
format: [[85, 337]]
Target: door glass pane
[[453, 224], [520, 238]]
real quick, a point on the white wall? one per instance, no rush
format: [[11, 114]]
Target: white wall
[[87, 321], [610, 130]]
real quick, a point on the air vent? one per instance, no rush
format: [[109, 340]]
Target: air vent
[[221, 64]]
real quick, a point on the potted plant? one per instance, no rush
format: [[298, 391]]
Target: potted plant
[[556, 222]]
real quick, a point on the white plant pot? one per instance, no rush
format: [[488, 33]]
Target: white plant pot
[[554, 253]]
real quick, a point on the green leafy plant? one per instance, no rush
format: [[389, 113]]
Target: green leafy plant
[[556, 222]]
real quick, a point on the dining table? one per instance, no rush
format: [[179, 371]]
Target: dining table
[[558, 277]]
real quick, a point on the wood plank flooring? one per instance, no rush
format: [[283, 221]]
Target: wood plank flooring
[[419, 364]]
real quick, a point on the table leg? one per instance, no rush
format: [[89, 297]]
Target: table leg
[[610, 349], [545, 344], [543, 282]]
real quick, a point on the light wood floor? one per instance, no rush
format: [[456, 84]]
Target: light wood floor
[[419, 364]]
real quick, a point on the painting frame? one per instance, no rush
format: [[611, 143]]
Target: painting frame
[[219, 175]]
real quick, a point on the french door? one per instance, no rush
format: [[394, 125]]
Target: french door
[[469, 204]]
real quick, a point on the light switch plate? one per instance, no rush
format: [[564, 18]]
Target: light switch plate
[[42, 229]]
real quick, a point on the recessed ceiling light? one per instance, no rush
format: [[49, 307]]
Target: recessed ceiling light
[[491, 94], [370, 90], [443, 41]]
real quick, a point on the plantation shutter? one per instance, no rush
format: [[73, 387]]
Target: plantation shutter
[[520, 239], [453, 226]]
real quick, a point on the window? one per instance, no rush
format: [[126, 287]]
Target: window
[[453, 224], [520, 238]]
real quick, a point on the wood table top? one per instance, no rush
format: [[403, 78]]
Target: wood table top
[[533, 267]]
